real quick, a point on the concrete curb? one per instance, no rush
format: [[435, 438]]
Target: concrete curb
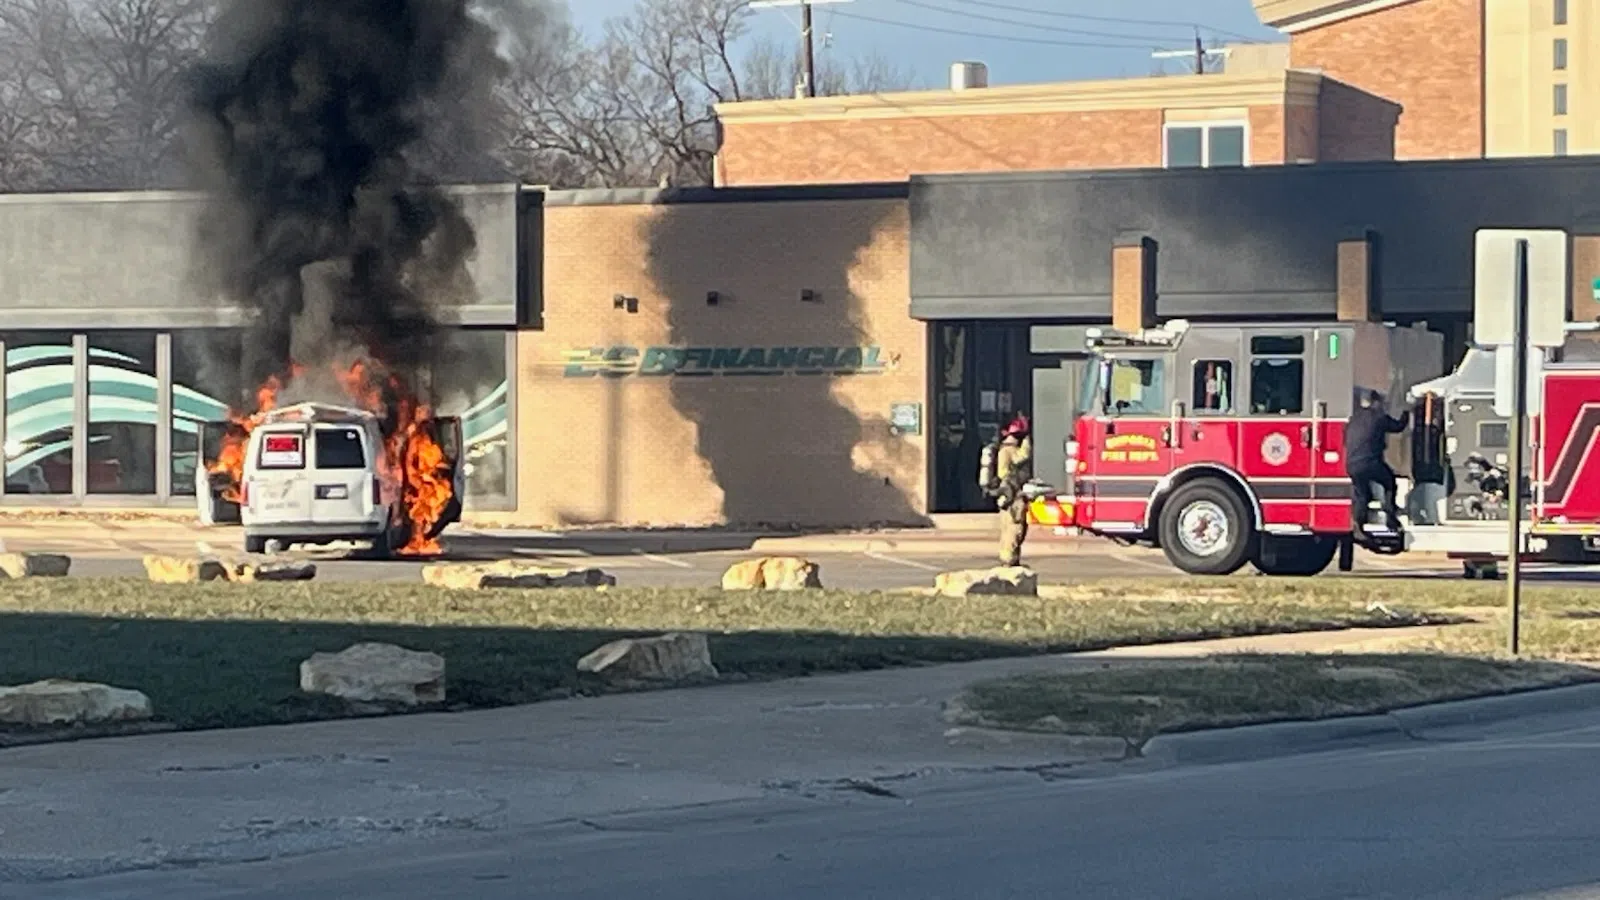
[[1254, 742]]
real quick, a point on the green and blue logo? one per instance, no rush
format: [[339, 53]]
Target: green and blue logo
[[620, 362]]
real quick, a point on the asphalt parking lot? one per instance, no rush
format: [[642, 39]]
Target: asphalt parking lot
[[683, 560]]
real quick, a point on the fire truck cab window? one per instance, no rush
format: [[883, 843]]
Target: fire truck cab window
[[1277, 345], [1277, 387], [1213, 385], [1137, 388], [339, 448]]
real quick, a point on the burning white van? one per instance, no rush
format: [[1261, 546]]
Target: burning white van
[[320, 474]]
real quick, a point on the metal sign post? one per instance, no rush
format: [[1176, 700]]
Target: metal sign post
[[1519, 411]]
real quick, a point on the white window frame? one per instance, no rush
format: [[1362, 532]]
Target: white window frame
[[1205, 126]]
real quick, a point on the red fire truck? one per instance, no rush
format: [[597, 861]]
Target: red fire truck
[[1222, 444]]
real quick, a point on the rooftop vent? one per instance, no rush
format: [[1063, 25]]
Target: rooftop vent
[[966, 76]]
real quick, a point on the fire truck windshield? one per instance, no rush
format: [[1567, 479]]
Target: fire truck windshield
[[1089, 392]]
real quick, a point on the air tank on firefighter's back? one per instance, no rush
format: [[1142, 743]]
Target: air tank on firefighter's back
[[1430, 467]]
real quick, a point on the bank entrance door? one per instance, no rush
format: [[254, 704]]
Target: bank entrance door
[[985, 373]]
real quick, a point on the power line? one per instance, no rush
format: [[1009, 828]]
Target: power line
[[1034, 25], [1115, 20], [995, 37]]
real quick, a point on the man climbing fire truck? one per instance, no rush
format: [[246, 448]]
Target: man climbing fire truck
[[1224, 445]]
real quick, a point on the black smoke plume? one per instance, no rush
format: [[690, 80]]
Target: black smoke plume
[[320, 127]]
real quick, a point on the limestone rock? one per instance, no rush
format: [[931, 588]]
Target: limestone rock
[[671, 657], [376, 673], [182, 570], [773, 573], [253, 570], [511, 573], [1015, 581], [34, 565], [61, 702]]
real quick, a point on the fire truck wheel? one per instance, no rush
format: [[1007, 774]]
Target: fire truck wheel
[[1295, 556], [1206, 529]]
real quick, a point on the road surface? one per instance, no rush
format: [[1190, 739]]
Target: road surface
[[687, 560], [1461, 817]]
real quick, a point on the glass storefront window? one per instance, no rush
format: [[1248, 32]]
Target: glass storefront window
[[205, 375], [124, 411], [471, 383], [39, 412]]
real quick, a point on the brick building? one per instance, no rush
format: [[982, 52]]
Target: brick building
[[830, 336], [1354, 80]]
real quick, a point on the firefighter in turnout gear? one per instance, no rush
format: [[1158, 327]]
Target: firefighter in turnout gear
[[1006, 467]]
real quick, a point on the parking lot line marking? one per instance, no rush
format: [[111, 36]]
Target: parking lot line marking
[[912, 564], [663, 560]]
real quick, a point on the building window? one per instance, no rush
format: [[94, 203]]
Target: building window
[[1560, 100], [1560, 142], [206, 380], [40, 412], [124, 408], [1559, 54], [470, 380], [1213, 386], [1205, 146], [1561, 12]]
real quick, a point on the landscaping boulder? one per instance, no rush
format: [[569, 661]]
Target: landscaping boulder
[[675, 657], [1014, 581], [266, 569], [34, 565], [512, 573], [773, 573], [183, 570], [60, 702], [376, 673]]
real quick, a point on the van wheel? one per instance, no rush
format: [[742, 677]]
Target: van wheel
[[255, 544], [1295, 556], [1206, 529]]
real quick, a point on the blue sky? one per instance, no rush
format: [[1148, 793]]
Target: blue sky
[[1115, 49]]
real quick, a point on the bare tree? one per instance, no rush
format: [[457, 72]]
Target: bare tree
[[91, 89], [91, 92], [637, 105]]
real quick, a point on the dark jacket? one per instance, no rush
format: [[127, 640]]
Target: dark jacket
[[1366, 436]]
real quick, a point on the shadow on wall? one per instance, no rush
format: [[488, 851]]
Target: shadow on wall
[[785, 449]]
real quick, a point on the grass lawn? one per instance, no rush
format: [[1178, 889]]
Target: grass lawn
[[218, 655], [1137, 701]]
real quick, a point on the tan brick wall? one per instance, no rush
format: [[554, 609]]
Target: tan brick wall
[[1585, 269], [1133, 300], [1353, 125], [892, 149], [793, 448], [1354, 303], [1425, 56], [1302, 134], [1268, 139]]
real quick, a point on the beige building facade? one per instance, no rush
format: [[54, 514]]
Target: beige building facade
[[723, 362]]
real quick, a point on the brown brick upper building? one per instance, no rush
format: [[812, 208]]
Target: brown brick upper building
[[1356, 80], [1425, 55], [1251, 118]]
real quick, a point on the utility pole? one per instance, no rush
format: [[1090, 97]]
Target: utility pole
[[1199, 54], [808, 52]]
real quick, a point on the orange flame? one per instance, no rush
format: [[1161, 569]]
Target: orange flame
[[412, 460]]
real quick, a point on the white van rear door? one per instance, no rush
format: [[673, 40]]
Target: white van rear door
[[276, 487], [340, 475]]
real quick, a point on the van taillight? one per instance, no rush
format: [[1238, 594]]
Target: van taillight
[[377, 493], [244, 493]]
